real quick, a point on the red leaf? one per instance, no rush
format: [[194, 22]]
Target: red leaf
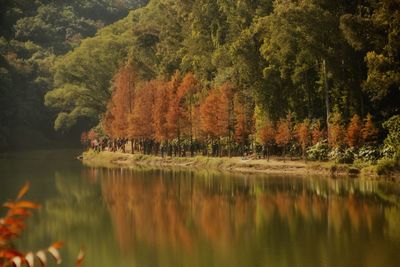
[[21, 204], [80, 258], [57, 245], [20, 212], [13, 221], [9, 204], [9, 254], [26, 205], [23, 190]]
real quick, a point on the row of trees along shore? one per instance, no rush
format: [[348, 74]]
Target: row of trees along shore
[[180, 117]]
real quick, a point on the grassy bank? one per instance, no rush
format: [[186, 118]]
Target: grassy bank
[[235, 164]]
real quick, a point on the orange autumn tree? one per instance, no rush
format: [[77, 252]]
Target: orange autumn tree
[[369, 133], [335, 132], [266, 135], [188, 101], [214, 117], [107, 121], [317, 134], [174, 117], [244, 120], [353, 133], [122, 99], [283, 135], [227, 109], [303, 136], [140, 120], [161, 104]]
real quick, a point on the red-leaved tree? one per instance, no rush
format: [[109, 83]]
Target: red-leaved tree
[[175, 120], [188, 101], [214, 116], [353, 133], [161, 103], [141, 120], [317, 134], [369, 132], [283, 134], [336, 132], [123, 99], [266, 136], [303, 136]]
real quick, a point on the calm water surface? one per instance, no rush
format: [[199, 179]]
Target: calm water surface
[[184, 218]]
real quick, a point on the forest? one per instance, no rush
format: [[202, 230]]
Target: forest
[[33, 36], [316, 79]]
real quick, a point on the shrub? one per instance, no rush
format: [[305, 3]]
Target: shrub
[[319, 151], [340, 155], [369, 153], [392, 141], [388, 165]]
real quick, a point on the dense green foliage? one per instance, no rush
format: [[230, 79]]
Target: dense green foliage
[[32, 35], [309, 57], [392, 141]]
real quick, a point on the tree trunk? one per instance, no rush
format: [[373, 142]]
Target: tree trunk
[[219, 148], [191, 147], [327, 107], [284, 153]]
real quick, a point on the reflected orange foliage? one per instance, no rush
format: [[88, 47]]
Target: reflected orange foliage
[[176, 212]]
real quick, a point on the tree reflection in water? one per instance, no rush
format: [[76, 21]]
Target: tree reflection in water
[[181, 218]]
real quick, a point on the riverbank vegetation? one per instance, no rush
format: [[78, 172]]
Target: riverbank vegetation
[[249, 165]]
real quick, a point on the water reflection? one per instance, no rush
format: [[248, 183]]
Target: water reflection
[[203, 219], [181, 218]]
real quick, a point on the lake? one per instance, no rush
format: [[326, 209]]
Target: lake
[[149, 217]]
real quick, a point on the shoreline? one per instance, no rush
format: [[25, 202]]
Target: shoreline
[[234, 164]]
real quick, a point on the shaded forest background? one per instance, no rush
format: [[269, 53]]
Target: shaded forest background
[[309, 58], [33, 36]]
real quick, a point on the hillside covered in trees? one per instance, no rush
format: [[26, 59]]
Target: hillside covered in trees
[[33, 35], [306, 77]]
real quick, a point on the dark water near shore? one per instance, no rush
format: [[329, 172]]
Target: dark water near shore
[[148, 217]]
